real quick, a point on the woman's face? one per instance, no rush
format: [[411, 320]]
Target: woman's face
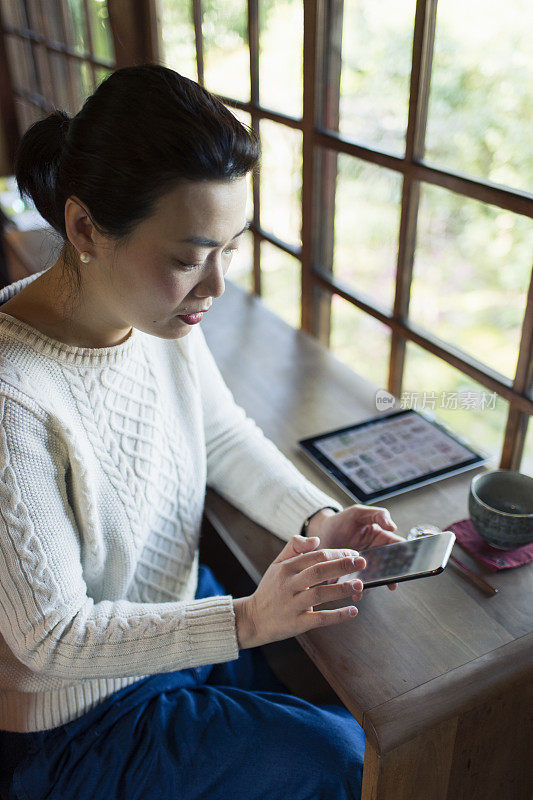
[[174, 262]]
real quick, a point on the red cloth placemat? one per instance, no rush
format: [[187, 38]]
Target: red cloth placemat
[[493, 558]]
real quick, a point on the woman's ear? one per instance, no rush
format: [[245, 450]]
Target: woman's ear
[[80, 229]]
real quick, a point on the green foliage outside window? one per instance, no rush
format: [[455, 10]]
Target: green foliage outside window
[[472, 261]]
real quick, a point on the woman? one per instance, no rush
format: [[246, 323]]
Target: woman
[[120, 673]]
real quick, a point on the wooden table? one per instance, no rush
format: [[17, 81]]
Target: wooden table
[[438, 674]]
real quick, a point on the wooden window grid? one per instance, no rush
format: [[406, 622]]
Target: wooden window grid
[[137, 39], [42, 34], [321, 145]]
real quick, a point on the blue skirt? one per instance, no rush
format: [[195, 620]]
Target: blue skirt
[[219, 731]]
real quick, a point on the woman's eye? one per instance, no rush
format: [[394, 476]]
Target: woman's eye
[[183, 265], [228, 252]]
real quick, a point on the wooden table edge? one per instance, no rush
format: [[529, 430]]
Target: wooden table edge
[[221, 528], [401, 718]]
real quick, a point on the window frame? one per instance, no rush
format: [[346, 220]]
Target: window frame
[[321, 84], [29, 27]]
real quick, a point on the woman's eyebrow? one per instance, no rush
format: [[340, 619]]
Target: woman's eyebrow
[[201, 241]]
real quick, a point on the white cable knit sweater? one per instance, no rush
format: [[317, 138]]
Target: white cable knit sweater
[[104, 458]]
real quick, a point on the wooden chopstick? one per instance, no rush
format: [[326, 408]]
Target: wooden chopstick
[[474, 576]]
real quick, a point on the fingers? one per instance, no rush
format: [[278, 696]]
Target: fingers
[[327, 592], [322, 565], [383, 518], [320, 619], [297, 545], [373, 535], [376, 517], [323, 555]]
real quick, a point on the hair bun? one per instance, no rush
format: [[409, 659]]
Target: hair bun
[[36, 166], [63, 119]]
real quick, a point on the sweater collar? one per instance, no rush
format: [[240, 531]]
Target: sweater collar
[[15, 329]]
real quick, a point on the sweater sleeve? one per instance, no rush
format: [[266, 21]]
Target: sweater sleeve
[[244, 466], [46, 616]]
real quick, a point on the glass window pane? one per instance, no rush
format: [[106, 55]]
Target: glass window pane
[[478, 415], [280, 56], [177, 33], [101, 74], [527, 458], [360, 341], [471, 275], [246, 120], [242, 116], [226, 54], [377, 41], [78, 23], [281, 283], [367, 221], [60, 77], [20, 63], [241, 269], [480, 109], [26, 113], [101, 32], [281, 181], [43, 72], [23, 20], [12, 13], [32, 12], [53, 28], [87, 79], [83, 81]]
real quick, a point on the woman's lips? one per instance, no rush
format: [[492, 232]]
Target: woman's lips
[[191, 319]]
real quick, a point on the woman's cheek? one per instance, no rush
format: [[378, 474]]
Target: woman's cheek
[[174, 287]]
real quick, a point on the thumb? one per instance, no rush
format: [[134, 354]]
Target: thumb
[[385, 520], [297, 545]]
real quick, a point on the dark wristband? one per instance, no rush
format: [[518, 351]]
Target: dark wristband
[[305, 526]]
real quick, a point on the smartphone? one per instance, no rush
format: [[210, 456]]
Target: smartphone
[[404, 561]]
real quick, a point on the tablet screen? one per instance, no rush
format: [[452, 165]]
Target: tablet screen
[[389, 454]]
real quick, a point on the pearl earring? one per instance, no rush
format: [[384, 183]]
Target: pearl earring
[[85, 257]]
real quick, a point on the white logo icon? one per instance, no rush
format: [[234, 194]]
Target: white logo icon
[[384, 400]]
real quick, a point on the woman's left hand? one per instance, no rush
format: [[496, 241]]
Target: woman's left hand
[[357, 527]]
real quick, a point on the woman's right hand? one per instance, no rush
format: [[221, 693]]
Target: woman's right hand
[[282, 605]]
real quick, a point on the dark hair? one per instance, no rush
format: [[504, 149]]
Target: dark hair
[[145, 129]]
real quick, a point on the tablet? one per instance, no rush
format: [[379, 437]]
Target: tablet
[[389, 454]]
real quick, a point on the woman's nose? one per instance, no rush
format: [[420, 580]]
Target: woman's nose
[[212, 284]]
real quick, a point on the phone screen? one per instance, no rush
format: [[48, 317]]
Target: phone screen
[[406, 560]]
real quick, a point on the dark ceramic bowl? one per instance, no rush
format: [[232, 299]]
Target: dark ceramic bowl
[[500, 505]]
